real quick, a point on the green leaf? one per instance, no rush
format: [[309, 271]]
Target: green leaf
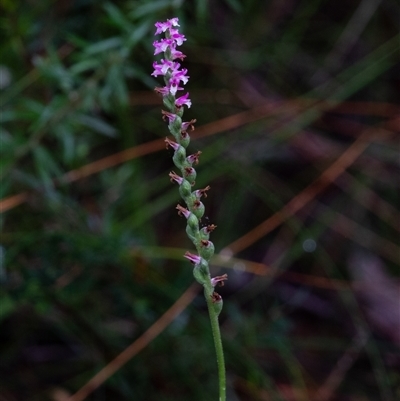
[[97, 125], [104, 45], [139, 33], [151, 7], [64, 133], [117, 17], [45, 162], [84, 65]]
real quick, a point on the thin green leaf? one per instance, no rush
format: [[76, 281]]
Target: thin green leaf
[[97, 125]]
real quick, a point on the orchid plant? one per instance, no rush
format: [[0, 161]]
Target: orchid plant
[[175, 78]]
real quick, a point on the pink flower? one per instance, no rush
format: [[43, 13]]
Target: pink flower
[[163, 26], [195, 259], [176, 54], [163, 91], [183, 100], [175, 177], [176, 36], [200, 192], [173, 86], [194, 159], [166, 115], [174, 146], [167, 67], [179, 75], [219, 279], [163, 67], [183, 210], [163, 45], [188, 125]]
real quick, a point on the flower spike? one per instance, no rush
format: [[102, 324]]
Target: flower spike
[[175, 78]]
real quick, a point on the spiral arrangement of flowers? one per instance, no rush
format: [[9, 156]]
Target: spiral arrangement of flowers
[[175, 78]]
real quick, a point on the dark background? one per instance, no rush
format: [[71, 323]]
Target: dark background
[[297, 108]]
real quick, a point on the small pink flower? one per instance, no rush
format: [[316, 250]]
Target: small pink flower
[[166, 115], [219, 279], [173, 87], [194, 158], [179, 75], [173, 145], [163, 67], [183, 100], [163, 91], [175, 177], [176, 54], [176, 77], [183, 210], [176, 36], [186, 125], [163, 26], [195, 259], [163, 45], [200, 192]]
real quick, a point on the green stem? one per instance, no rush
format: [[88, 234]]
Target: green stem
[[218, 346]]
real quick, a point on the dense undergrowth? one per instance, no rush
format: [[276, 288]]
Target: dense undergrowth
[[297, 108]]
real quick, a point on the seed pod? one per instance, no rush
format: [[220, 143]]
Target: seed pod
[[193, 222], [190, 174], [185, 190], [206, 249], [179, 156], [184, 139], [198, 209], [217, 302], [200, 272]]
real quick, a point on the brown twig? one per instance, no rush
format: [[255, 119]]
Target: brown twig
[[150, 334], [310, 192], [212, 128], [345, 362]]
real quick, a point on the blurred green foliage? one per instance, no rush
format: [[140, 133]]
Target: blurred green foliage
[[90, 260]]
